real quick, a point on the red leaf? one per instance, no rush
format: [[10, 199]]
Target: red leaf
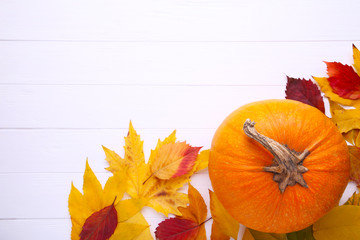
[[304, 91], [343, 80], [177, 229], [100, 225]]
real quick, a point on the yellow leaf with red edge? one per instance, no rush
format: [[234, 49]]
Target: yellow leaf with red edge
[[356, 55], [225, 222], [174, 160], [354, 153]]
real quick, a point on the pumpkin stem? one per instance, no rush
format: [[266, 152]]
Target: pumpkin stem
[[287, 166]]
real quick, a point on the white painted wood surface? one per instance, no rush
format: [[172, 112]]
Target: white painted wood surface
[[74, 73]]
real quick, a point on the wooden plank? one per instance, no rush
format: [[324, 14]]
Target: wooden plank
[[179, 63], [56, 229], [59, 151], [161, 20], [91, 106], [45, 195]]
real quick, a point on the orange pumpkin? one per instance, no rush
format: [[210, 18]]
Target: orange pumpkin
[[278, 165]]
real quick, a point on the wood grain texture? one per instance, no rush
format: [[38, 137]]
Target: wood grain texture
[[170, 63], [91, 106], [182, 20]]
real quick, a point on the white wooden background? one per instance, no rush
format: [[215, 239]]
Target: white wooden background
[[73, 73]]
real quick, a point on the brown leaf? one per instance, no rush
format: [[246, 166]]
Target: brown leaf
[[304, 91], [100, 225]]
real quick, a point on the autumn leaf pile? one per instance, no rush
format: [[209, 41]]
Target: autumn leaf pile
[[114, 211]]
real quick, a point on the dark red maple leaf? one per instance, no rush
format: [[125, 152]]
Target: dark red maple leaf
[[177, 229], [100, 225], [304, 91], [343, 80]]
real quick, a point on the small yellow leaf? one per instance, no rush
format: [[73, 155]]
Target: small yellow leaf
[[326, 89], [174, 160], [356, 55], [197, 210], [202, 160], [227, 224], [342, 222]]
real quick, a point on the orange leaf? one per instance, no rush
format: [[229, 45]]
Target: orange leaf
[[222, 220], [197, 210], [355, 164], [343, 80], [100, 225], [174, 160], [177, 229]]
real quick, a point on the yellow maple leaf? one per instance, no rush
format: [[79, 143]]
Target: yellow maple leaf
[[222, 220], [95, 199], [342, 222]]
